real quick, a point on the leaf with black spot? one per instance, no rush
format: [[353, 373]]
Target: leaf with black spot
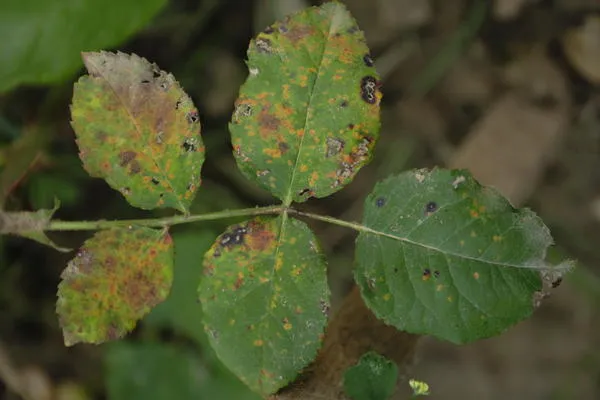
[[444, 256], [309, 111], [115, 279], [265, 300], [138, 130]]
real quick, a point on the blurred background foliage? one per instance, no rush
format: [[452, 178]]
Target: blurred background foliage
[[507, 88]]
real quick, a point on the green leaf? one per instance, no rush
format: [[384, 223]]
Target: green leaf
[[444, 256], [30, 225], [307, 117], [46, 37], [114, 280], [372, 378], [137, 129], [265, 298]]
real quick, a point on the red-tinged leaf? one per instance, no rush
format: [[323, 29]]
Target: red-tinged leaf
[[265, 299], [137, 129], [307, 117], [113, 281]]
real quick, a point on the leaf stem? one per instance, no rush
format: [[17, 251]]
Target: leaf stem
[[340, 222], [58, 225]]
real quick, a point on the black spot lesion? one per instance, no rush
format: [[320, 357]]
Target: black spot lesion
[[192, 117], [305, 191], [368, 60], [380, 202], [431, 207], [235, 237], [189, 145], [155, 181], [368, 89]]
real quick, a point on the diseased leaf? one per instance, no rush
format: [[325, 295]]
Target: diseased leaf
[[265, 298], [137, 129], [30, 225], [46, 37], [114, 280], [447, 257], [307, 117], [372, 378]]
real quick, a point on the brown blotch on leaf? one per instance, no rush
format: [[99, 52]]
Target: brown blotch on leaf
[[298, 33], [259, 238], [125, 157], [135, 167], [268, 122], [283, 147]]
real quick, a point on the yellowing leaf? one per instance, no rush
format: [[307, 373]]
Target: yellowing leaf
[[113, 281], [137, 129]]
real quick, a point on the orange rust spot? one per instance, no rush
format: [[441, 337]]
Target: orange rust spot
[[287, 326], [476, 275], [279, 262], [258, 343], [449, 299], [313, 178], [296, 271], [231, 322], [439, 288], [300, 132], [262, 279], [474, 213], [497, 238], [337, 77], [387, 297], [274, 153], [303, 168], [462, 243], [298, 310]]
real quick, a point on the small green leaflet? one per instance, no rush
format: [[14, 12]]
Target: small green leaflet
[[115, 279], [307, 117], [448, 257], [137, 129], [265, 300], [372, 378]]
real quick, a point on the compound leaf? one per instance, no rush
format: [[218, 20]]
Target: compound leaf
[[137, 129], [46, 37], [114, 280], [307, 117], [372, 378], [265, 300], [444, 256]]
